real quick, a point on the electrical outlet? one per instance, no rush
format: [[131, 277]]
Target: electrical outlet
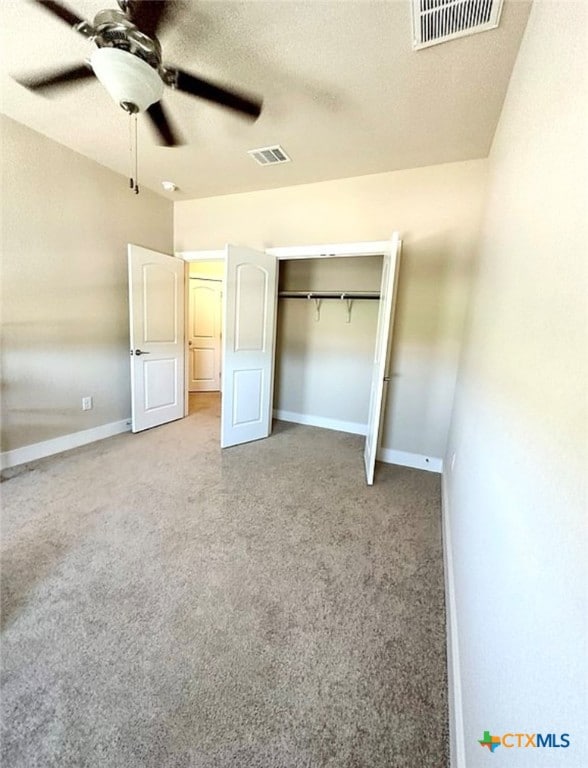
[[87, 403]]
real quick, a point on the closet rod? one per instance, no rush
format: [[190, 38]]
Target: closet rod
[[329, 295]]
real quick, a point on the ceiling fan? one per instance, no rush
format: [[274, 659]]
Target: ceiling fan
[[128, 62]]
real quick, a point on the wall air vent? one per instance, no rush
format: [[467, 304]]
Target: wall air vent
[[269, 155], [436, 21]]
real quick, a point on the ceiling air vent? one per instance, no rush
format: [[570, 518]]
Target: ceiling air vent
[[269, 155], [436, 21]]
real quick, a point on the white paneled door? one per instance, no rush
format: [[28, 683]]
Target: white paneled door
[[249, 326], [204, 339], [380, 373], [156, 305]]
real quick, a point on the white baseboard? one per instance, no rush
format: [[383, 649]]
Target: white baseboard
[[64, 443], [414, 460], [387, 455], [353, 427], [454, 696]]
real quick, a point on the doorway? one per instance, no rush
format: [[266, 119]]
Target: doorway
[[205, 405], [204, 292], [204, 331]]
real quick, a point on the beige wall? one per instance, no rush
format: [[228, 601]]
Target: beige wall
[[66, 222], [437, 211], [323, 368], [517, 496], [213, 269]]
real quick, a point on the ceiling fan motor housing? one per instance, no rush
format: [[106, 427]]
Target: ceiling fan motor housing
[[128, 79], [113, 29]]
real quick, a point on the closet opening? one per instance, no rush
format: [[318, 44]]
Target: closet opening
[[326, 332]]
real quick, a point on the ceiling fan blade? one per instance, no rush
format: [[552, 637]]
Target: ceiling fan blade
[[60, 77], [204, 89], [161, 123], [148, 15], [63, 13]]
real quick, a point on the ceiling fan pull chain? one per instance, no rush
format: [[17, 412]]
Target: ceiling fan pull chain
[[136, 189], [133, 154], [131, 180]]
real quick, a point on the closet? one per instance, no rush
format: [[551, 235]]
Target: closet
[[326, 331], [250, 319]]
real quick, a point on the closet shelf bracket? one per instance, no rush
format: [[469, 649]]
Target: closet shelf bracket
[[317, 308], [349, 303]]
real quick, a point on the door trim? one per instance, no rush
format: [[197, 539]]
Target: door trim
[[202, 255], [319, 251]]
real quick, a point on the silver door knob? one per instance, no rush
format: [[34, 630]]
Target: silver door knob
[[140, 352]]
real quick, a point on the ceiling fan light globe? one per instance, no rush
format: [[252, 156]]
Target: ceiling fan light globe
[[127, 78]]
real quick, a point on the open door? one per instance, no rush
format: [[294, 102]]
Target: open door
[[380, 374], [156, 309], [249, 327]]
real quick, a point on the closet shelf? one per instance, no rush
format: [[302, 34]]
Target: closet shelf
[[341, 295]]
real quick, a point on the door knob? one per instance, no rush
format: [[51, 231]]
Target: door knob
[[140, 352]]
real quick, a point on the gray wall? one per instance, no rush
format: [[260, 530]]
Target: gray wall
[[517, 495], [437, 212], [66, 222]]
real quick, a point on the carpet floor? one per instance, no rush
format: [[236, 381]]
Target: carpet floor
[[166, 605]]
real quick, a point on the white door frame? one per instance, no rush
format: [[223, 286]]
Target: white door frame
[[289, 252]]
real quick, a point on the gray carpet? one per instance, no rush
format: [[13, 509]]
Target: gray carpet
[[166, 605]]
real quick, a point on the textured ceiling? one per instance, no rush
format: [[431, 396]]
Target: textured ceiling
[[344, 93]]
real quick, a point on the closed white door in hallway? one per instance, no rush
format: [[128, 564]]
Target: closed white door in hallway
[[204, 335]]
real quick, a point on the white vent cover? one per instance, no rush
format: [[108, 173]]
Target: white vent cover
[[269, 155], [436, 21]]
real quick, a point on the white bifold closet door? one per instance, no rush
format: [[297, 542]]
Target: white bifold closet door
[[249, 325], [381, 372], [156, 308]]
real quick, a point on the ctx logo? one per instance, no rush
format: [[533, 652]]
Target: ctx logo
[[524, 740]]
